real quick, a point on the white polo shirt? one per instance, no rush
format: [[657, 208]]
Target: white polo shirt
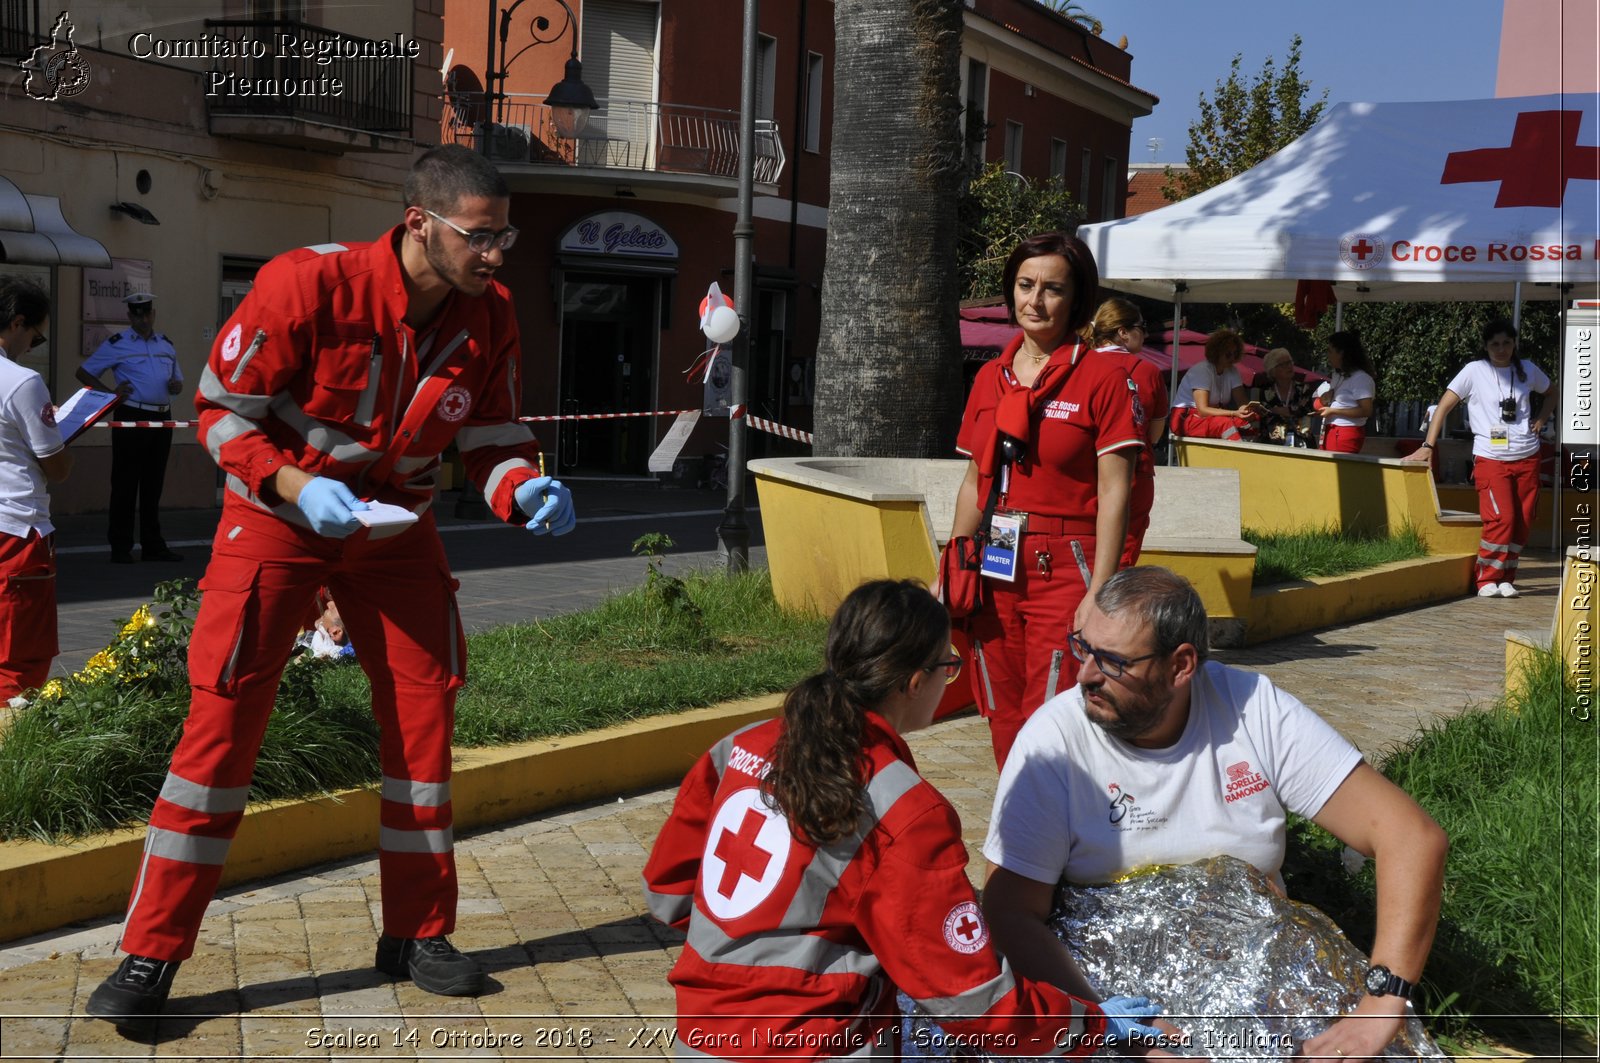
[[27, 432], [1481, 386], [1203, 376], [1348, 391]]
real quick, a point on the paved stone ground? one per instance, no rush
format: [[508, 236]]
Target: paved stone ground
[[552, 904]]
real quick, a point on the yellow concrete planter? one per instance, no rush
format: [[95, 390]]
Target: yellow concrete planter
[[46, 886], [1283, 489], [1573, 632], [1290, 608]]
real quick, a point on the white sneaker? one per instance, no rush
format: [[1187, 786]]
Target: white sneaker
[[1509, 591], [1489, 590]]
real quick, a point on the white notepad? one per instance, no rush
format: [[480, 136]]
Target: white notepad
[[378, 513]]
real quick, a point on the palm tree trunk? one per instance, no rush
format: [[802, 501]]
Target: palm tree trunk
[[889, 352]]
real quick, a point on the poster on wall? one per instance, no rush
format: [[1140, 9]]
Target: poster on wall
[[104, 290]]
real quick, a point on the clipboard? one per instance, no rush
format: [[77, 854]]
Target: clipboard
[[83, 409]]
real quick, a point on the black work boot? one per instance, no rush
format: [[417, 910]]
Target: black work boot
[[135, 993], [432, 963]]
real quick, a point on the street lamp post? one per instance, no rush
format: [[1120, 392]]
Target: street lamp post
[[733, 534], [569, 99]]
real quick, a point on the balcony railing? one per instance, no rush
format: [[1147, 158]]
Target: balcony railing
[[620, 135], [374, 92], [20, 29]]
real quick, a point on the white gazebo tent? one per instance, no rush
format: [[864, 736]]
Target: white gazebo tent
[[1461, 200], [1386, 201]]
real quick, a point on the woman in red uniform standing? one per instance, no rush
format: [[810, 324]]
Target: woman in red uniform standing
[[815, 872], [1053, 430], [1118, 331]]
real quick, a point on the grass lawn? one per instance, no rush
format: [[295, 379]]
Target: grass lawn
[[94, 755], [1282, 557], [1515, 788]]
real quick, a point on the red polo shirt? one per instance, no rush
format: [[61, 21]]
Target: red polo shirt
[[1094, 413]]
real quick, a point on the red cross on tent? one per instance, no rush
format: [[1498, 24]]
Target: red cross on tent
[[1534, 169], [740, 854]]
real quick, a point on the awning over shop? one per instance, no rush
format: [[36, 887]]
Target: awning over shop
[[34, 232]]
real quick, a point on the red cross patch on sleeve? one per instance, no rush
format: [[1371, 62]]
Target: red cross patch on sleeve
[[964, 928]]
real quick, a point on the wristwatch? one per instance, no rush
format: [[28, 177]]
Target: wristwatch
[[1382, 982]]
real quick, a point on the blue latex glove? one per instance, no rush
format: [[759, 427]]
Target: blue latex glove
[[327, 504], [550, 503], [1122, 1015]]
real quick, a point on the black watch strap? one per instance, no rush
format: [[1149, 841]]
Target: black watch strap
[[1382, 982]]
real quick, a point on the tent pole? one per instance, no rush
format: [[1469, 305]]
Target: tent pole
[[1516, 307], [1172, 391], [1338, 315], [1561, 457]]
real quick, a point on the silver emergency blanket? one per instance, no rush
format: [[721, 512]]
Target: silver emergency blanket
[[1245, 972]]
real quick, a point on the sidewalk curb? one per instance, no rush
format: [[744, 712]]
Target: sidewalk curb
[[44, 887]]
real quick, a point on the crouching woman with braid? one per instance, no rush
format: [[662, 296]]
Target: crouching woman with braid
[[815, 872]]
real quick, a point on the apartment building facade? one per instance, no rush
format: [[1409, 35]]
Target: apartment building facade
[[174, 147]]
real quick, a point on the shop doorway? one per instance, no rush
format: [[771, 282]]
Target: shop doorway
[[609, 334]]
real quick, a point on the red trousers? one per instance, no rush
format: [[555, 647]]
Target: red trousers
[[1508, 496], [1187, 422], [27, 612], [1344, 438], [1141, 500], [397, 600], [1019, 639]]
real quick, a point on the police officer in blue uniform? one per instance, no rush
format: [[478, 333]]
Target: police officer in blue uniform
[[146, 369]]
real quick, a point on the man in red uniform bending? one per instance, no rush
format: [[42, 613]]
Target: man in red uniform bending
[[342, 376]]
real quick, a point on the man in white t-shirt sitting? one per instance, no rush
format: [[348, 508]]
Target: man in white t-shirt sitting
[[1160, 756]]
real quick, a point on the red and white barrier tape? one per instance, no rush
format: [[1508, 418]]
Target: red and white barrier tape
[[604, 416], [145, 424], [759, 423], [777, 429]]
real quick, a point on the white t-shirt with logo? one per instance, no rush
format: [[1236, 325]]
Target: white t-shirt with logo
[[1079, 804], [1482, 387], [1349, 391], [1203, 376], [27, 432]]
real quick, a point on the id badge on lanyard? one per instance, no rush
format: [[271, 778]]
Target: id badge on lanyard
[[999, 560], [1499, 438]]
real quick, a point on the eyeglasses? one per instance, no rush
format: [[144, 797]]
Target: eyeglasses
[[951, 666], [39, 340], [139, 309], [480, 241], [1136, 325], [1112, 664]]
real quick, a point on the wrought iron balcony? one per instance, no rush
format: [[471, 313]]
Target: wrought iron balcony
[[326, 78], [634, 135], [20, 29]]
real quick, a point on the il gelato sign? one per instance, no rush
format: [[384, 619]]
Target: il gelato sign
[[619, 232]]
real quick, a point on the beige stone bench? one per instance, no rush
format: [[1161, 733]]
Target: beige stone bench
[[832, 522]]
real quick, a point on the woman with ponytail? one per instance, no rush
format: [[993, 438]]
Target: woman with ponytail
[[815, 872]]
